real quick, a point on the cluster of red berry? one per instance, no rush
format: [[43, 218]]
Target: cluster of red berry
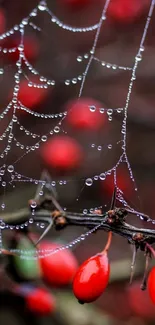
[[60, 269], [57, 270]]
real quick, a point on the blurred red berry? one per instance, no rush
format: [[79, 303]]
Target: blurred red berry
[[2, 21], [62, 153], [84, 114], [125, 10], [59, 268], [30, 96], [140, 301], [123, 182], [75, 3], [151, 284], [91, 278], [31, 48], [40, 301]]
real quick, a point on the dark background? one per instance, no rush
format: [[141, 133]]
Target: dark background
[[118, 43]]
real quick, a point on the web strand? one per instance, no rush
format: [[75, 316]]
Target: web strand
[[44, 83]]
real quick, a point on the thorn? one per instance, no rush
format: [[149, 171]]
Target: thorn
[[113, 201], [45, 232]]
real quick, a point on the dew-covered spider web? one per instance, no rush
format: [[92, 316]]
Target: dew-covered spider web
[[10, 116]]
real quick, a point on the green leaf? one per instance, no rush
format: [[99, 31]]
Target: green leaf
[[28, 268]]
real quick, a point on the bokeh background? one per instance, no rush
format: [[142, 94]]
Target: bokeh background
[[54, 55]]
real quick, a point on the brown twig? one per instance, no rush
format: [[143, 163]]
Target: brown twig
[[113, 220]]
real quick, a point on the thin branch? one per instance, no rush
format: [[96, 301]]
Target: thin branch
[[112, 220]]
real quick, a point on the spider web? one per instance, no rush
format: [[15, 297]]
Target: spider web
[[10, 112]]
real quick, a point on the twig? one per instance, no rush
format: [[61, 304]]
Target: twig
[[113, 220]]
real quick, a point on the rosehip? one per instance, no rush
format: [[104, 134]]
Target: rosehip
[[30, 96], [31, 48], [40, 301], [75, 3], [62, 153], [91, 278], [123, 182], [151, 284], [80, 115], [2, 21], [125, 10], [59, 268], [140, 302]]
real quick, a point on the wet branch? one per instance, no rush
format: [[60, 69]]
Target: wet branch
[[112, 220]]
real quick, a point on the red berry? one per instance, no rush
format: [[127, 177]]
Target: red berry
[[58, 268], [140, 302], [40, 301], [75, 3], [91, 278], [151, 284], [30, 96], [62, 153], [81, 117], [2, 21], [123, 182], [125, 10], [31, 48]]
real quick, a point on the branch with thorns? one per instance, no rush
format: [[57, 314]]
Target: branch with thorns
[[48, 211]]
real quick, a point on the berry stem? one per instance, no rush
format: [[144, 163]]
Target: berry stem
[[106, 248], [144, 282], [151, 249]]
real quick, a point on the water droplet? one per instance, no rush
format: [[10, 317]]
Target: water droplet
[[109, 111], [85, 211], [138, 57], [89, 181], [67, 82], [14, 119], [103, 17], [44, 138], [92, 108], [101, 110], [119, 110], [79, 58], [2, 226], [142, 48], [99, 148], [109, 146], [10, 168], [93, 145], [1, 71], [74, 81], [3, 206], [56, 129], [102, 176], [33, 204], [42, 6], [21, 47]]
